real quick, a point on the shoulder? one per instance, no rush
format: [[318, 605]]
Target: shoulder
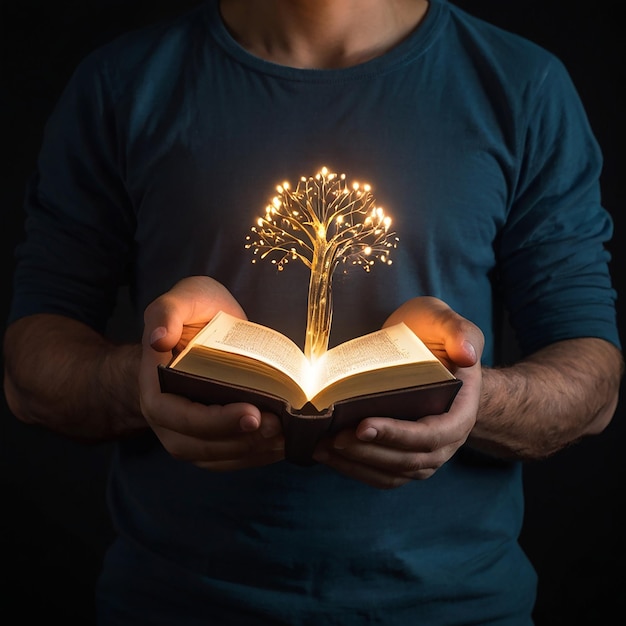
[[148, 54], [513, 57], [524, 84]]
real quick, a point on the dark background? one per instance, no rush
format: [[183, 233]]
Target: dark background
[[54, 525]]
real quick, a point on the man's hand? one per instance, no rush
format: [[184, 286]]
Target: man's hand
[[215, 437], [387, 453]]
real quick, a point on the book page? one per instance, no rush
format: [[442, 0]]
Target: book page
[[387, 347], [230, 334]]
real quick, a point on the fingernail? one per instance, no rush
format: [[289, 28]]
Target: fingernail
[[369, 434], [248, 423], [158, 333], [469, 348]]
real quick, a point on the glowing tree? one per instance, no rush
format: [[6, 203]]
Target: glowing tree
[[322, 222]]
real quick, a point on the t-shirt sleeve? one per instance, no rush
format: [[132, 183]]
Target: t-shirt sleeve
[[79, 219], [554, 264]]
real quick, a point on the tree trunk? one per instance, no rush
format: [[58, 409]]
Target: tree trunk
[[320, 306]]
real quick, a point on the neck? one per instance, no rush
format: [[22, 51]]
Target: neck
[[321, 34]]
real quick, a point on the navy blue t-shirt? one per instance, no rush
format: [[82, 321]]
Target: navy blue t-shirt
[[165, 148]]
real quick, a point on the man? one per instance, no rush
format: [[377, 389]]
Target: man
[[164, 148]]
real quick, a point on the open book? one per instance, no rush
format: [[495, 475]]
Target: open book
[[389, 373]]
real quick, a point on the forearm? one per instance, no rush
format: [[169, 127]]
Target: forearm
[[544, 403], [63, 375]]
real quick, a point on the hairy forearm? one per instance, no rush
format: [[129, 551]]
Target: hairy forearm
[[548, 401], [64, 376]]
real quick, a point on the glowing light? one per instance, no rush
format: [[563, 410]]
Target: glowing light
[[323, 223]]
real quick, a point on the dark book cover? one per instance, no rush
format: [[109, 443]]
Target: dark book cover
[[303, 428]]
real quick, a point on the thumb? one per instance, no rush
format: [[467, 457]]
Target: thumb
[[163, 327], [185, 308], [450, 336], [158, 339]]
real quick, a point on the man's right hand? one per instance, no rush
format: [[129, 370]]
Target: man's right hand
[[219, 438]]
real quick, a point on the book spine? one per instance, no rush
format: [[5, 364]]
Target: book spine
[[302, 434]]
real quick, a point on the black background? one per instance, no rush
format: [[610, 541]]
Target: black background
[[54, 525]]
